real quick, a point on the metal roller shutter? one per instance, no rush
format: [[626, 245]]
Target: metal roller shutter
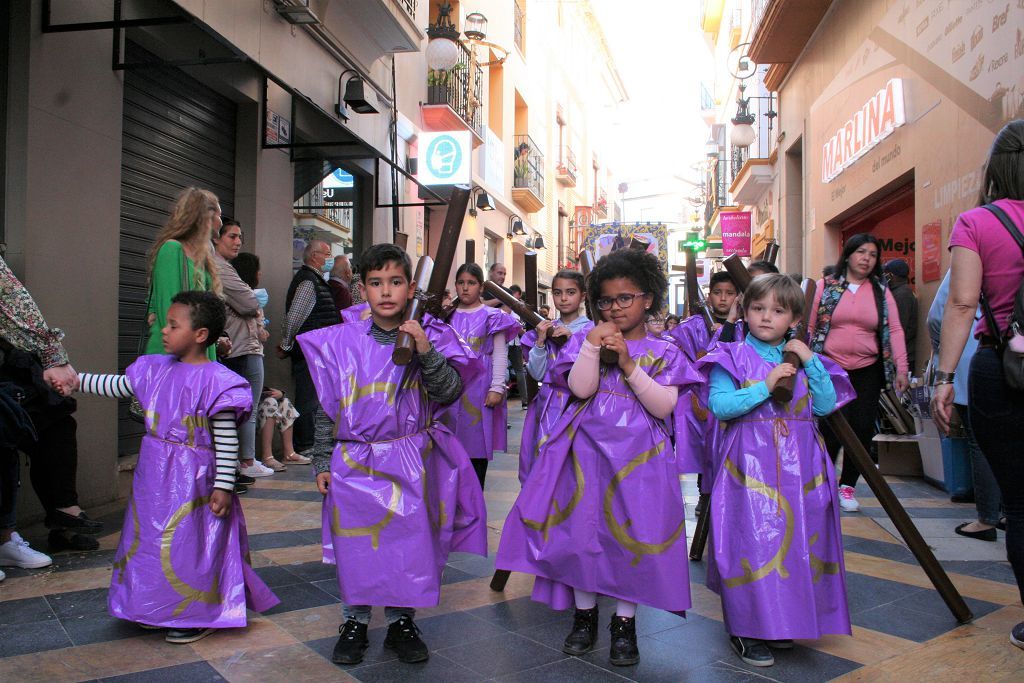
[[177, 133]]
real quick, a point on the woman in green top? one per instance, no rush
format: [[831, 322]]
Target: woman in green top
[[182, 259]]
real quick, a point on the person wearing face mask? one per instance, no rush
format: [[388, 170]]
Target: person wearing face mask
[[857, 324], [309, 307]]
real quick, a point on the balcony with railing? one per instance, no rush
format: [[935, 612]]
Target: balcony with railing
[[752, 169], [409, 6], [454, 98], [565, 173], [601, 204], [528, 174], [313, 211], [518, 26]]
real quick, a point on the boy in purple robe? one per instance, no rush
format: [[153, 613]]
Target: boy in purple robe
[[183, 559], [567, 291], [602, 510], [480, 419], [399, 490], [776, 542]]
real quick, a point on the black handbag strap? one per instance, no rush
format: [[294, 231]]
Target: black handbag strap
[[990, 318]]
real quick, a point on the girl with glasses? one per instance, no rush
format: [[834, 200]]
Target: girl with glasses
[[602, 511]]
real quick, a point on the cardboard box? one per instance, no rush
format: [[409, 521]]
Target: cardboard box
[[899, 455]]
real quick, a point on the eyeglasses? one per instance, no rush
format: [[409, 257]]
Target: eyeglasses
[[623, 300]]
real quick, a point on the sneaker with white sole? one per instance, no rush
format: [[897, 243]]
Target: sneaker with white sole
[[17, 553], [847, 501], [2, 576], [256, 469]]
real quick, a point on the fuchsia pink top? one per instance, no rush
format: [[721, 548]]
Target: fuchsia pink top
[[1002, 263], [853, 339]]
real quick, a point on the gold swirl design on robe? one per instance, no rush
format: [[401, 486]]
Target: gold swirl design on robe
[[189, 593], [699, 412], [819, 566], [357, 391], [471, 410], [442, 513], [122, 563], [620, 531], [650, 363], [558, 513], [192, 422], [153, 418], [372, 530], [476, 343], [775, 564]]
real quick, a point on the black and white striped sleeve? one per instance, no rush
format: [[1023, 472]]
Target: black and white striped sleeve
[[114, 386], [225, 444]]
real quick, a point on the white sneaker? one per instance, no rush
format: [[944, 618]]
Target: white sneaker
[[2, 576], [847, 502], [256, 469], [17, 553]]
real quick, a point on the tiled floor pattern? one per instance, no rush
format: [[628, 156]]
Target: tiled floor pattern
[[54, 626]]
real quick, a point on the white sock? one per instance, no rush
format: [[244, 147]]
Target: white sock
[[625, 609], [585, 599]]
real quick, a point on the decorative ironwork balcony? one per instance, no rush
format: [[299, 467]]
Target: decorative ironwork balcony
[[601, 203], [528, 174], [565, 173], [458, 90]]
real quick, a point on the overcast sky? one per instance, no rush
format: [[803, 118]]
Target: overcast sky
[[662, 56]]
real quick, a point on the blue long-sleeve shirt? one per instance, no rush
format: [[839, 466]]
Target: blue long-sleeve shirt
[[728, 402], [537, 365]]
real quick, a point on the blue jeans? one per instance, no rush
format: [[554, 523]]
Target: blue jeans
[[250, 367], [997, 416], [987, 500], [362, 613]]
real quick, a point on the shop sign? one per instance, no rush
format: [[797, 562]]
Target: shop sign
[[874, 122], [447, 158], [735, 232], [931, 257]]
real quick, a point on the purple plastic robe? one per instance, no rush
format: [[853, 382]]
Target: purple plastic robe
[[177, 564], [776, 543], [480, 429], [402, 493], [602, 509], [354, 312]]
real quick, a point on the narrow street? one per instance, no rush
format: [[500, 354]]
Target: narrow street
[[54, 625]]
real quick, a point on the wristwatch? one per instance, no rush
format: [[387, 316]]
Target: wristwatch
[[943, 377]]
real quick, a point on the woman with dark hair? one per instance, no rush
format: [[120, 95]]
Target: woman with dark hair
[[986, 259], [245, 355], [857, 325]]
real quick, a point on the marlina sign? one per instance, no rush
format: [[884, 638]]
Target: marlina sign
[[875, 121]]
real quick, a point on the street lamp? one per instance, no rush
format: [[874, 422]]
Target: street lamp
[[476, 26], [742, 134], [443, 49], [711, 148], [515, 226], [483, 201]]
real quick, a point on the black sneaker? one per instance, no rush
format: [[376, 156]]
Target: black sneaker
[[182, 636], [241, 489], [1017, 635], [581, 639], [404, 638], [784, 644], [63, 539], [752, 651], [352, 643], [244, 479], [55, 519], [624, 651]]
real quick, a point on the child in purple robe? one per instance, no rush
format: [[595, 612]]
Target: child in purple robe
[[567, 290], [480, 418], [776, 542], [399, 490], [183, 559], [602, 509]]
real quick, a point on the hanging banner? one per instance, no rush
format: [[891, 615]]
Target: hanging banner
[[735, 233], [931, 253]]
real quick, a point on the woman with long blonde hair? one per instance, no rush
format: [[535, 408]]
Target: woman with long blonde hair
[[182, 258]]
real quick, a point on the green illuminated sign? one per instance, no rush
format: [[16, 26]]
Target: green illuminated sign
[[694, 243]]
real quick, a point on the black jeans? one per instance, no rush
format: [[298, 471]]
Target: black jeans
[[515, 361], [862, 414], [997, 418], [306, 402], [54, 459]]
